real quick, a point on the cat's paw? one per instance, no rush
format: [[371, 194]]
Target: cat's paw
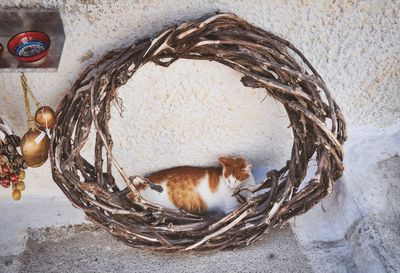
[[246, 194]]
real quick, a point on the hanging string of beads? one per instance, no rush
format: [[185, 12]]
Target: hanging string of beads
[[12, 164]]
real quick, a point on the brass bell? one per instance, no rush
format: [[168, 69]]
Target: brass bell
[[45, 117], [34, 150]]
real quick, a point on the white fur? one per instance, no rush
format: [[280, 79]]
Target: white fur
[[229, 202], [160, 198], [220, 201]]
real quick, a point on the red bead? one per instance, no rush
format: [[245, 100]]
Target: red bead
[[14, 178], [5, 169], [5, 182]]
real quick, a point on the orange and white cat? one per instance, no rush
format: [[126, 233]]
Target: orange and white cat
[[201, 190]]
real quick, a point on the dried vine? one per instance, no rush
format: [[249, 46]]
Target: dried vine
[[266, 61]]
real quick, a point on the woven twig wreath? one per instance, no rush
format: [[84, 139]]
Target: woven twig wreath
[[265, 61]]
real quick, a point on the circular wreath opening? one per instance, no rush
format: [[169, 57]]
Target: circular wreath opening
[[265, 61]]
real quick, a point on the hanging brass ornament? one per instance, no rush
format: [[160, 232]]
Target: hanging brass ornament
[[45, 117], [35, 147], [35, 143]]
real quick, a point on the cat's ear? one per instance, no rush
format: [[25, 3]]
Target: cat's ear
[[224, 160]]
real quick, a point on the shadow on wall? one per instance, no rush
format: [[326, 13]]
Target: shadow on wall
[[360, 219]]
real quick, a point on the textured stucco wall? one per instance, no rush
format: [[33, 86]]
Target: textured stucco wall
[[194, 111], [354, 46]]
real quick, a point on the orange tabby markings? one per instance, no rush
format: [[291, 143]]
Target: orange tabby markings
[[214, 175], [184, 195], [236, 166], [181, 187]]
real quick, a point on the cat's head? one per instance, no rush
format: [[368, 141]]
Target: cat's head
[[235, 171]]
